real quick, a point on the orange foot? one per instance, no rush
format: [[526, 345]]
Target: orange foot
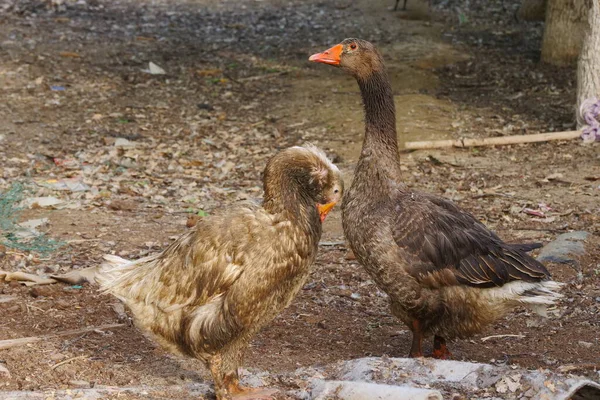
[[442, 354], [440, 350]]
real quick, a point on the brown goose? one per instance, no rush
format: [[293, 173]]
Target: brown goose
[[210, 291], [446, 274]]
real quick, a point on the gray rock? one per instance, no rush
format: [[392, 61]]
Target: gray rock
[[473, 379], [564, 248], [345, 390]]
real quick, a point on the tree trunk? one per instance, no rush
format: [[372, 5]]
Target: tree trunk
[[565, 26], [532, 10], [588, 71]]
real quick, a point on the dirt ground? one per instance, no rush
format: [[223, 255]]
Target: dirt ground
[[238, 88]]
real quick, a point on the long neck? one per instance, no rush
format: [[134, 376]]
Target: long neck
[[380, 115], [284, 196]]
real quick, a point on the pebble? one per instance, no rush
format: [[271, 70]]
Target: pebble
[[62, 304], [13, 309], [40, 291], [564, 248], [57, 357], [4, 372]]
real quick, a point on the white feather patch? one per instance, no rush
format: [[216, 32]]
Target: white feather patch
[[320, 154], [204, 317], [535, 295]]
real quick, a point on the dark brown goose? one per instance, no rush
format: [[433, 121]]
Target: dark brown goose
[[210, 291], [446, 274]]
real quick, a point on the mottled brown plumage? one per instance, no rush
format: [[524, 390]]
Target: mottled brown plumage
[[210, 291], [446, 274]]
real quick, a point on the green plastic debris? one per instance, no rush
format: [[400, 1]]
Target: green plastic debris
[[9, 215]]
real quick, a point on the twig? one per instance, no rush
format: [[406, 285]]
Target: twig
[[503, 140], [68, 343], [339, 243], [265, 76], [484, 339], [7, 344], [66, 362], [78, 241], [479, 196]]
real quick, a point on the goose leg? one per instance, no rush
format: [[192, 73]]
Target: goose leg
[[416, 350], [215, 364], [440, 350], [396, 6]]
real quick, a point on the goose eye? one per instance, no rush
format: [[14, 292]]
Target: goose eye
[[353, 46], [336, 191]]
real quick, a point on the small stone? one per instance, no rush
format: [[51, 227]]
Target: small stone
[[13, 309], [40, 291], [62, 304], [124, 143], [4, 372], [587, 345], [122, 205], [119, 309], [564, 248], [57, 357]]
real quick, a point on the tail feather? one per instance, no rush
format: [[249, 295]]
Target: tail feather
[[546, 292], [110, 270], [535, 295], [117, 274]]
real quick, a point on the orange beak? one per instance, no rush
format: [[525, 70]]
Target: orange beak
[[324, 209], [331, 56]]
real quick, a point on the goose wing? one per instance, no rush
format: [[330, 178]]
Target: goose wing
[[449, 246]]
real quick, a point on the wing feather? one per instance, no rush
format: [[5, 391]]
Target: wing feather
[[440, 236]]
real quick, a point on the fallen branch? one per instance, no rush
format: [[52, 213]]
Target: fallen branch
[[7, 344], [495, 141]]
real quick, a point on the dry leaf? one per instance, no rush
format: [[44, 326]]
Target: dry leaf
[[28, 279], [77, 277], [209, 72]]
